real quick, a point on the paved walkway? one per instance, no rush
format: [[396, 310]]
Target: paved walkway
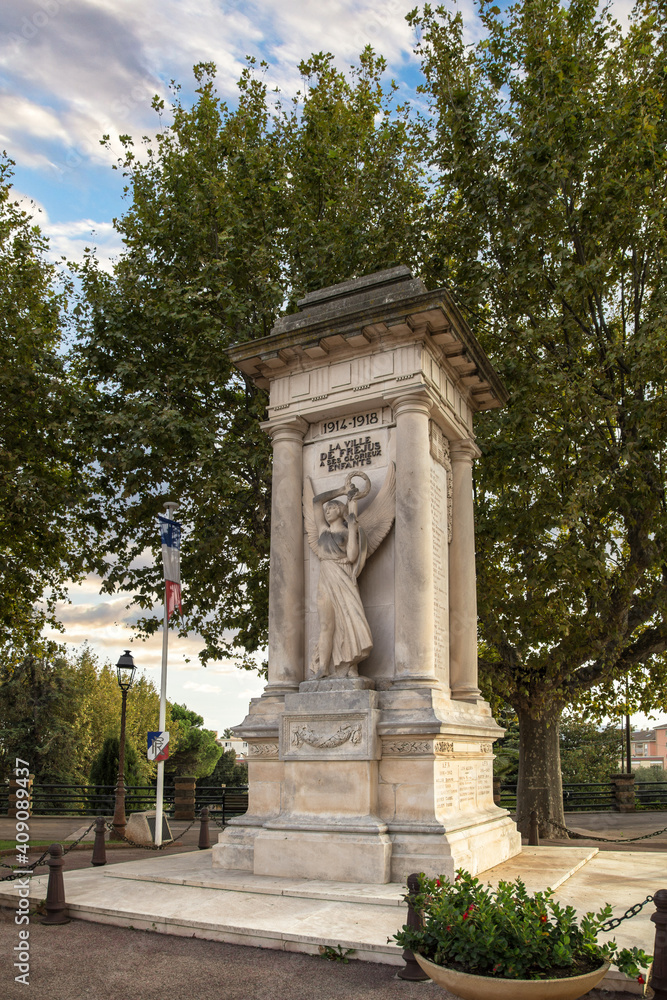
[[84, 960]]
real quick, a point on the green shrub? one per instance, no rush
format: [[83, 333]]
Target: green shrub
[[508, 934]]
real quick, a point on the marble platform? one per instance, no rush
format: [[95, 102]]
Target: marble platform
[[183, 894]]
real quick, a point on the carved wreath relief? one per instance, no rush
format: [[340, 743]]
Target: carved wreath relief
[[345, 733], [263, 749]]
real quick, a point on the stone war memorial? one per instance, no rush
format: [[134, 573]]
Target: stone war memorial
[[371, 749]]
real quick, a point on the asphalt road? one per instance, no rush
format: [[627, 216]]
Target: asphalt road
[[85, 961]]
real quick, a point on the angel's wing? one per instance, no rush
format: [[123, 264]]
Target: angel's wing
[[378, 517], [308, 516]]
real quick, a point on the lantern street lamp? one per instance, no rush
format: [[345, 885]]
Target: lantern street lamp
[[125, 669]]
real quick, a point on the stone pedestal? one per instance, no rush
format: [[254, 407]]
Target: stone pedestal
[[373, 777], [624, 791], [184, 797]]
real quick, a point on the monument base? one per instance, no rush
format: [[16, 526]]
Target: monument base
[[376, 858], [360, 785], [476, 847], [324, 854]]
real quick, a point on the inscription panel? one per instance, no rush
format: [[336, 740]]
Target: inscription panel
[[462, 786], [358, 421], [350, 453], [485, 783]]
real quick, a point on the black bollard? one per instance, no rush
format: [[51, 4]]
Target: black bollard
[[56, 907], [99, 847], [412, 970], [658, 980], [204, 838], [534, 830]]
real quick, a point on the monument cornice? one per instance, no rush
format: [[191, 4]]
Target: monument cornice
[[357, 318]]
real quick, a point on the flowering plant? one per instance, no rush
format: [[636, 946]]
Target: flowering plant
[[509, 934]]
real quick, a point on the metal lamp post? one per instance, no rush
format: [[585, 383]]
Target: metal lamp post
[[125, 669]]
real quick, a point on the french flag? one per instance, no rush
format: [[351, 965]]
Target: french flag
[[170, 532]]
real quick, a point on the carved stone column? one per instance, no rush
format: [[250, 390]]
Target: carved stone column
[[462, 585], [413, 577], [286, 586]]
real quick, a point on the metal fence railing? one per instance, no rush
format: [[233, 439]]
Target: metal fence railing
[[651, 794], [577, 797], [95, 800], [223, 802]]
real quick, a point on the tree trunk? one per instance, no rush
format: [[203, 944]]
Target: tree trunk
[[540, 784]]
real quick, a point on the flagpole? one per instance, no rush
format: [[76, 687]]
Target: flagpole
[[171, 509]]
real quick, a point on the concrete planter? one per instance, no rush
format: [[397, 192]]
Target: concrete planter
[[470, 987]]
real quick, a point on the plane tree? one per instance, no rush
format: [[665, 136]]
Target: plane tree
[[233, 214], [45, 530], [549, 145]]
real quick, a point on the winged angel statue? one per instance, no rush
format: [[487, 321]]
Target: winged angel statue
[[342, 541]]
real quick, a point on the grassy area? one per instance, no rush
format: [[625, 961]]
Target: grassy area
[[10, 845]]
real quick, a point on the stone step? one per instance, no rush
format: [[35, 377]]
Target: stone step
[[184, 895]]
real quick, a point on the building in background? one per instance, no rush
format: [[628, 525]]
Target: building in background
[[649, 746], [240, 747]]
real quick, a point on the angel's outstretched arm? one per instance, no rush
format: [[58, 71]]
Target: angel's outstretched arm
[[322, 498], [318, 506]]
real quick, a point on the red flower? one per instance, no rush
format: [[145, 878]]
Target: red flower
[[543, 918], [466, 915], [437, 882], [457, 878], [640, 979], [449, 927]]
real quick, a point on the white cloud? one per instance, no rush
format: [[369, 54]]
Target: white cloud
[[203, 688], [252, 691], [70, 240]]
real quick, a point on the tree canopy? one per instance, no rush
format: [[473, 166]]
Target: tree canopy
[[549, 141], [197, 751], [234, 214], [44, 474], [58, 712]]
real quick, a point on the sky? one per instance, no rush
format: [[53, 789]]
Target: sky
[[72, 71]]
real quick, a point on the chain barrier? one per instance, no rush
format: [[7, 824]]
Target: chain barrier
[[41, 863], [610, 925], [149, 847], [607, 840]]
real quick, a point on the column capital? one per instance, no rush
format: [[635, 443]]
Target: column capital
[[285, 428], [464, 450], [415, 399]]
